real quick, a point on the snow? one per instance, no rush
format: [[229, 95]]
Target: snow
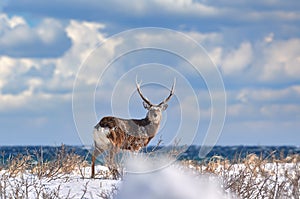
[[72, 185], [174, 181]]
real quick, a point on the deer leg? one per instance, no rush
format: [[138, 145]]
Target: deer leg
[[96, 153], [93, 165], [112, 165]]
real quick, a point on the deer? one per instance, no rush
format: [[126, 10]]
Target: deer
[[113, 134]]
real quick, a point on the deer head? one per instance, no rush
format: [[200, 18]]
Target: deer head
[[154, 113]]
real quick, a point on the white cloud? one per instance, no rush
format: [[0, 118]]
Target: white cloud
[[10, 68], [23, 92], [187, 7], [242, 112], [237, 60], [268, 60], [49, 30], [269, 38], [5, 68], [281, 61], [85, 33], [207, 40], [169, 13], [30, 101], [18, 39], [89, 50], [263, 112], [124, 8], [12, 22], [264, 104], [286, 112], [85, 36], [249, 51], [269, 15], [22, 80], [289, 94]]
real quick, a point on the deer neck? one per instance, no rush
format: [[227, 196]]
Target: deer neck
[[152, 126]]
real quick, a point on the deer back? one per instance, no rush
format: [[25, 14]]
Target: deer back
[[128, 134]]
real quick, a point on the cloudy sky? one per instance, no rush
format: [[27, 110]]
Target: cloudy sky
[[255, 46]]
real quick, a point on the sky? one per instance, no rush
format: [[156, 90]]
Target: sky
[[54, 51]]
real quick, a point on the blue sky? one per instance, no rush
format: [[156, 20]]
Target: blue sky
[[254, 44]]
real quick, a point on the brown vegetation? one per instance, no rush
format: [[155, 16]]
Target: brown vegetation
[[254, 176], [25, 176]]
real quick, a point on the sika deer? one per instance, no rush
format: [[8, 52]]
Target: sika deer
[[113, 134]]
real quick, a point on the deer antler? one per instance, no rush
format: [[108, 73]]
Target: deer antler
[[170, 95], [139, 91]]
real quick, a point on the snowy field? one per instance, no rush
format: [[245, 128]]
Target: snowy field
[[171, 182], [61, 185], [252, 177]]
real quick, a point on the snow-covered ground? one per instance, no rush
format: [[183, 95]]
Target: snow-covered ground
[[215, 180], [170, 182], [76, 184], [174, 182]]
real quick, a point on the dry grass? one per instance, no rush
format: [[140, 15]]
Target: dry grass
[[29, 176], [254, 176]]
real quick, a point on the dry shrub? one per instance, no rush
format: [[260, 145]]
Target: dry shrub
[[250, 177], [19, 165], [62, 164], [255, 176], [23, 176]]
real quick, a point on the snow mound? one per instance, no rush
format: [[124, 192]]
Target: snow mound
[[172, 182]]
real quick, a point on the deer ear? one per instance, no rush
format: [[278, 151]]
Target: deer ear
[[164, 106], [146, 106]]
